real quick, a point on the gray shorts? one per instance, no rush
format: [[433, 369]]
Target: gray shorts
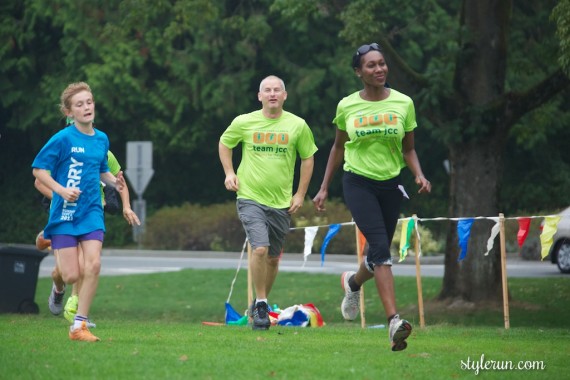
[[264, 226]]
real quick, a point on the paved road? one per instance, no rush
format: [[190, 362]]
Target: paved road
[[122, 262]]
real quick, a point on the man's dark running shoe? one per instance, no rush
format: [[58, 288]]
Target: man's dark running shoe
[[261, 316], [400, 330]]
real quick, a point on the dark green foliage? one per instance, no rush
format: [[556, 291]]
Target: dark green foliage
[[21, 214], [176, 72], [537, 172], [561, 15], [218, 228], [118, 232], [195, 227]]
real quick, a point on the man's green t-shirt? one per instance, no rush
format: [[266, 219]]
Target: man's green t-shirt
[[375, 131], [269, 152], [114, 168]]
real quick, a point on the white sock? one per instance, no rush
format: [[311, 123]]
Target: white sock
[[260, 300], [78, 322]]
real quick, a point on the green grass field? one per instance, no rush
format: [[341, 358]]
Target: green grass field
[[151, 328]]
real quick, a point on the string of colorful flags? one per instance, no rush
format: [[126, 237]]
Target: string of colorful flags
[[464, 226]]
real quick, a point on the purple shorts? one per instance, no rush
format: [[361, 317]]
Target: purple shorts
[[67, 241]]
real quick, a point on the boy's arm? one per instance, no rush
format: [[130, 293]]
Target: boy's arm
[[43, 189], [129, 215]]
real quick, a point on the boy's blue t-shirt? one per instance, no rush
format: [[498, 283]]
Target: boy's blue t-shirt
[[75, 160]]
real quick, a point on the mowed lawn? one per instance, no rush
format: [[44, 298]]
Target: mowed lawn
[[151, 328]]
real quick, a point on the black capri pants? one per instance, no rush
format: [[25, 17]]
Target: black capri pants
[[375, 208]]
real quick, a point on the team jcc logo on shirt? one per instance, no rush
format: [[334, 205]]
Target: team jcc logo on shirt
[[271, 142], [386, 125]]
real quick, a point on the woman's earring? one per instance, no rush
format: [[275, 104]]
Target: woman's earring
[[69, 120]]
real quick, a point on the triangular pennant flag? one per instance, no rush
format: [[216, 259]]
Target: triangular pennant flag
[[494, 233], [310, 233], [524, 226], [361, 243], [231, 314], [333, 230], [548, 231], [463, 233], [407, 229]]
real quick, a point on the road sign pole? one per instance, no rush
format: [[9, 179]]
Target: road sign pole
[[138, 231], [139, 172]]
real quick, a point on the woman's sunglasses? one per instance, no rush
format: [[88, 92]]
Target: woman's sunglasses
[[366, 48], [363, 50]]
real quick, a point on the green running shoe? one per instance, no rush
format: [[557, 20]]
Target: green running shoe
[[70, 308]]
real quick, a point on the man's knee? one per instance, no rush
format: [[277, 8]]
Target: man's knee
[[260, 251]]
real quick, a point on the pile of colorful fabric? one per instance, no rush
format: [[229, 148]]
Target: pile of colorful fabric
[[303, 315], [297, 315]]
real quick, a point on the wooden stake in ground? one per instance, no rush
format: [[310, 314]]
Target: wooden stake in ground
[[504, 270], [359, 254], [419, 274]]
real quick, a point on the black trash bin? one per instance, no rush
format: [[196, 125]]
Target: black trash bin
[[19, 268]]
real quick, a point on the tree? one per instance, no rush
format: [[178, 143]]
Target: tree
[[482, 104], [475, 72], [177, 71]]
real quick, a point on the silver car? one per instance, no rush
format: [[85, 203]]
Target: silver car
[[560, 250]]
